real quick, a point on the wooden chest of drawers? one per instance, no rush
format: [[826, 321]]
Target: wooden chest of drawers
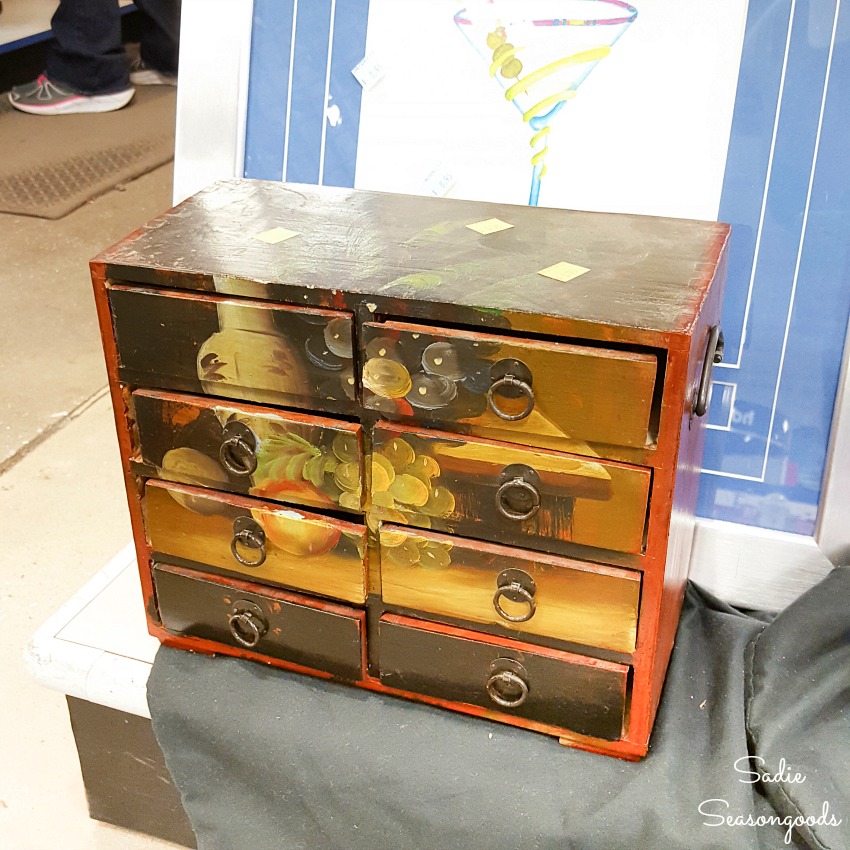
[[437, 449]]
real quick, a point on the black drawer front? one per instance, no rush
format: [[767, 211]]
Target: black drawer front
[[319, 635], [259, 352], [582, 695]]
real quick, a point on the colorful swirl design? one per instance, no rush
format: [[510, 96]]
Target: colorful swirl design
[[539, 114]]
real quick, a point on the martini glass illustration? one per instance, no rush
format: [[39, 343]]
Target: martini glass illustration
[[540, 52]]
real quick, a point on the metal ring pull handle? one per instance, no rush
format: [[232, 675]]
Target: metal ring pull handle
[[510, 591], [517, 483], [512, 680], [515, 384], [519, 587], [248, 533], [713, 354], [238, 452], [247, 624]]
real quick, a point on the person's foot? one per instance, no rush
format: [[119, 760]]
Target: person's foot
[[45, 97], [142, 75]]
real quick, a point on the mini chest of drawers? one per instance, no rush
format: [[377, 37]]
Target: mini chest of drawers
[[438, 449]]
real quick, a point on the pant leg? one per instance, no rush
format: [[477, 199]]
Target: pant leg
[[87, 54], [160, 33]]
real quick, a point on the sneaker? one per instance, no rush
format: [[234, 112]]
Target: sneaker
[[142, 75], [44, 97]]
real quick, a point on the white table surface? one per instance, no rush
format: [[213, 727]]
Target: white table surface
[[96, 646]]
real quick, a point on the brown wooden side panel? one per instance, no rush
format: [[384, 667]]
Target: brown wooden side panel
[[283, 456], [567, 600], [299, 550], [579, 694], [442, 378], [292, 628], [480, 488], [257, 352], [683, 514]]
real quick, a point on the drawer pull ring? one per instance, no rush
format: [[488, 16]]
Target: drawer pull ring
[[248, 533], [238, 452], [524, 487], [713, 354], [247, 624], [514, 384], [515, 586], [507, 680]]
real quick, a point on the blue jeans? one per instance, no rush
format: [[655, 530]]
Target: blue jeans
[[87, 54]]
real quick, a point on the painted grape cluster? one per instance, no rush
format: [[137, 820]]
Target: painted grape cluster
[[436, 378], [330, 349], [287, 462], [405, 486], [408, 550]]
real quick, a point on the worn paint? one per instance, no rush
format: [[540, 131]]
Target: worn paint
[[612, 354]]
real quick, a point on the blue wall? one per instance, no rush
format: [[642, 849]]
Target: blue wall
[[786, 192]]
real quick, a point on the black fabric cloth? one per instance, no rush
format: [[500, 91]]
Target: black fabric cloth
[[265, 758], [87, 55]]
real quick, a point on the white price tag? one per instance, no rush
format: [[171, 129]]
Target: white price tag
[[439, 181], [368, 72]]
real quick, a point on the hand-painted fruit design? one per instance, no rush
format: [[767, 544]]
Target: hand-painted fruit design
[[405, 488], [293, 533], [405, 377], [188, 466], [239, 358], [407, 550], [330, 348], [290, 466]]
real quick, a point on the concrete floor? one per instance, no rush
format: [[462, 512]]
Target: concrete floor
[[63, 512]]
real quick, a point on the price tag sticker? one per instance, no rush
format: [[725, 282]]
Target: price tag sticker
[[439, 181], [368, 72], [563, 272], [275, 235]]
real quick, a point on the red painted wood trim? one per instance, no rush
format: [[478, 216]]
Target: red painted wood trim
[[397, 428], [241, 301], [506, 643], [268, 592], [209, 403], [250, 503], [123, 427], [543, 345], [466, 543]]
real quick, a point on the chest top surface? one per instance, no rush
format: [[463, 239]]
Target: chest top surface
[[611, 269]]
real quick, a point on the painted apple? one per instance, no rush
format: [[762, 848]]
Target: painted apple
[[284, 490], [188, 466], [296, 534]]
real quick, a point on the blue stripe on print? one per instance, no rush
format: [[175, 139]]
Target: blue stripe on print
[[749, 150], [307, 106], [785, 390], [268, 85], [349, 47]]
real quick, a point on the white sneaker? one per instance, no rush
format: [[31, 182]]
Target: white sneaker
[[141, 75], [44, 97]]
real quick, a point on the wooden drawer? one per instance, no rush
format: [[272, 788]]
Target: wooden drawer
[[536, 594], [554, 395], [284, 546], [259, 352], [495, 491], [314, 634], [284, 457], [584, 695]]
